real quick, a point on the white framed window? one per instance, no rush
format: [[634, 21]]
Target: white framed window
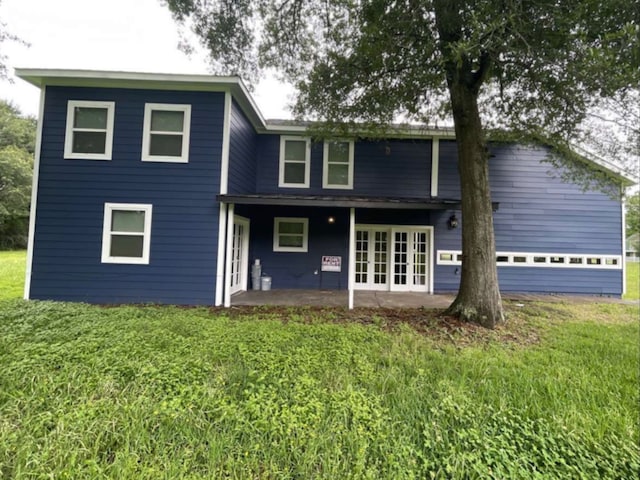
[[531, 259], [337, 169], [165, 137], [89, 130], [290, 234], [295, 155], [126, 233]]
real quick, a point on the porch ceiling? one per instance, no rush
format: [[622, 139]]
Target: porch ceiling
[[343, 201]]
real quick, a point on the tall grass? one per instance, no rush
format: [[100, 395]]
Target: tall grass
[[12, 266], [147, 392]]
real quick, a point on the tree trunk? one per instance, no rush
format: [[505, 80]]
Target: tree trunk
[[478, 298]]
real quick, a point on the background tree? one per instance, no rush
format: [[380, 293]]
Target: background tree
[[633, 214], [5, 36], [533, 67], [17, 141]]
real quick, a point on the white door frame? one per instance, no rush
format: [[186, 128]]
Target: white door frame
[[371, 231], [239, 248], [410, 286], [391, 231]]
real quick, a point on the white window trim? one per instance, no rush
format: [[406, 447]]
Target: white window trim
[[307, 162], [325, 165], [68, 137], [106, 233], [305, 234], [186, 130], [606, 262]]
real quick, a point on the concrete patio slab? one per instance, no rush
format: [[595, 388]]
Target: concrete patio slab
[[339, 298]]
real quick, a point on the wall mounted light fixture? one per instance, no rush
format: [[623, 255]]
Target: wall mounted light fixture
[[452, 222]]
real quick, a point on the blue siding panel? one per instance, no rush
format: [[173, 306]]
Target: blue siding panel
[[297, 270], [538, 212], [390, 168], [243, 146], [72, 194]]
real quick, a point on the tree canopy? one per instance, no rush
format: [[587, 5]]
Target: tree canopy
[[17, 140], [533, 67]]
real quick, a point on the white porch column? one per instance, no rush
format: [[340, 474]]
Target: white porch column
[[228, 256], [352, 254], [222, 240], [435, 165]]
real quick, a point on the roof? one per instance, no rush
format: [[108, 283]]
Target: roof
[[234, 85], [344, 201], [196, 82]]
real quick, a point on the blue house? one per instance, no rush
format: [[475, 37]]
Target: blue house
[[168, 188]]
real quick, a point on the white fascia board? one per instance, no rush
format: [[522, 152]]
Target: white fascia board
[[34, 199], [605, 164], [399, 132], [140, 80]]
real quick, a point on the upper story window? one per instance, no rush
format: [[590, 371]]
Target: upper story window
[[166, 133], [126, 234], [338, 165], [89, 132], [295, 153]]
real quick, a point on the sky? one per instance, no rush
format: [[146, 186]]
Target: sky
[[122, 35]]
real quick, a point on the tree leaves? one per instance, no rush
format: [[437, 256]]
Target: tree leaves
[[17, 139]]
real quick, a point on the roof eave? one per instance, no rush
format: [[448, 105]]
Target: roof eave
[[159, 81]]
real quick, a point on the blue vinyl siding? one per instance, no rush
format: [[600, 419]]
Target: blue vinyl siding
[[72, 194], [293, 269], [243, 144], [390, 168], [538, 212]]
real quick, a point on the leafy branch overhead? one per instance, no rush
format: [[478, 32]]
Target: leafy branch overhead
[[539, 65], [535, 68]]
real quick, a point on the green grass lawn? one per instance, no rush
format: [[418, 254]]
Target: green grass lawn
[[633, 281], [12, 266], [161, 392]]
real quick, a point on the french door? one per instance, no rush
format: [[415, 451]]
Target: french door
[[395, 258], [239, 255]]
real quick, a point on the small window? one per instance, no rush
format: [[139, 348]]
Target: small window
[[502, 259], [519, 259], [126, 234], [459, 257], [338, 165], [290, 234], [295, 153], [575, 260], [89, 133], [594, 261], [539, 259], [557, 259], [166, 133], [446, 257], [611, 261]]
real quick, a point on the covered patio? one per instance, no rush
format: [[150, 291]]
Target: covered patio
[[381, 299], [340, 298]]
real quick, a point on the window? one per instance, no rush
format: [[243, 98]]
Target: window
[[89, 133], [338, 165], [294, 162], [527, 259], [166, 133], [290, 234], [126, 233]]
